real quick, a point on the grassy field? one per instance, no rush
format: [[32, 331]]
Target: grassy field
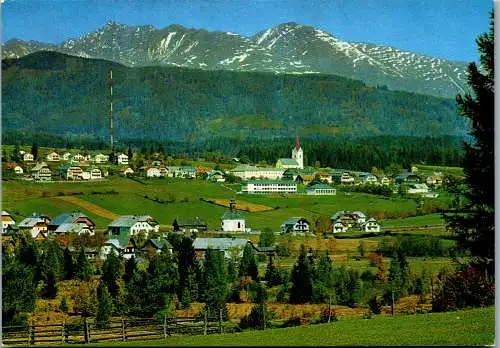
[[466, 327], [170, 198]]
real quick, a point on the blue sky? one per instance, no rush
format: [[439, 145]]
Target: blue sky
[[441, 28]]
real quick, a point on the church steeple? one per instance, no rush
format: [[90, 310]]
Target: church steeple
[[297, 142]]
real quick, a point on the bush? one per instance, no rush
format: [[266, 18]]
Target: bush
[[255, 319], [467, 288], [63, 306], [375, 304]]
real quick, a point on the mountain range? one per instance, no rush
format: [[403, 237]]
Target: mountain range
[[288, 48]]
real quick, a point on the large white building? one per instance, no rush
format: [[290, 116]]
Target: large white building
[[233, 222], [269, 186], [247, 172]]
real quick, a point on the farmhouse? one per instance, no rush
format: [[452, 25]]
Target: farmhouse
[[233, 222], [155, 246], [101, 158], [122, 159], [78, 158], [295, 225], [126, 171], [418, 188], [347, 179], [338, 226], [41, 172], [66, 156], [269, 186], [406, 178], [187, 172], [216, 175], [7, 221], [385, 181], [321, 190], [77, 228], [123, 247], [131, 225], [53, 157], [190, 225], [70, 218], [436, 179], [95, 173], [247, 172], [35, 224], [18, 170], [367, 178], [230, 246], [153, 172], [371, 225], [74, 173], [28, 157], [349, 219]]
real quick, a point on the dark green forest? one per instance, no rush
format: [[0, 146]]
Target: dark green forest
[[69, 96]]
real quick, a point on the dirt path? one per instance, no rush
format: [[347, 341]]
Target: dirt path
[[95, 209]]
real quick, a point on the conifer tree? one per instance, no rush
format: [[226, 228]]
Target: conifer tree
[[475, 223], [83, 267], [272, 275], [248, 265], [104, 307], [302, 284], [267, 238], [18, 289], [111, 272], [130, 267], [52, 268], [188, 271], [215, 286], [69, 266], [34, 151]]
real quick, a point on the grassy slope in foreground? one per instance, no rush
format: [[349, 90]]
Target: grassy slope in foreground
[[466, 327]]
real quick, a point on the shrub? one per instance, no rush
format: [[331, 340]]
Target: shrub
[[63, 306], [255, 319], [467, 288]]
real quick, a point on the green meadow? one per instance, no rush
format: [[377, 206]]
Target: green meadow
[[170, 198], [473, 327]]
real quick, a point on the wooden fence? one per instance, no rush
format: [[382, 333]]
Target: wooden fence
[[126, 329]]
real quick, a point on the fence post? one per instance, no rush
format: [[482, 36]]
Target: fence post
[[205, 323], [85, 330], [33, 328], [165, 326], [220, 320], [62, 332], [123, 330]]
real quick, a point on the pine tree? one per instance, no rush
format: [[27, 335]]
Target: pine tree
[[16, 156], [188, 271], [83, 268], [214, 280], [272, 275], [69, 266], [34, 151], [104, 307], [302, 284], [52, 268], [111, 272], [248, 265], [130, 154], [475, 223], [130, 267]]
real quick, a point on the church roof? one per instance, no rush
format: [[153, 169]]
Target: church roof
[[297, 142], [288, 161]]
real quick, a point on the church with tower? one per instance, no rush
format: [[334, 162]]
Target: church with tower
[[297, 160]]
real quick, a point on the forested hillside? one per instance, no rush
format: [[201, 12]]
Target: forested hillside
[[68, 96]]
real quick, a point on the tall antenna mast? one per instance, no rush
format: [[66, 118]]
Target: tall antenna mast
[[111, 109]]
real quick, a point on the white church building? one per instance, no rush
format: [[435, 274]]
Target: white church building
[[297, 160]]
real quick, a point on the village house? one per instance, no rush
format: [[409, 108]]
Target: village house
[[74, 173], [53, 157], [202, 172], [123, 246], [295, 225], [70, 218], [78, 158], [385, 181], [156, 246], [74, 228], [347, 179], [126, 171], [131, 225], [41, 172], [190, 225], [163, 172], [122, 159], [247, 172], [186, 172], [233, 222], [339, 227], [418, 188], [367, 178], [8, 221], [229, 246], [216, 175], [325, 177], [36, 224], [101, 158], [18, 170], [66, 156], [95, 173], [269, 186], [321, 190], [153, 172], [28, 157], [435, 180], [406, 178], [371, 225], [156, 163], [349, 219]]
